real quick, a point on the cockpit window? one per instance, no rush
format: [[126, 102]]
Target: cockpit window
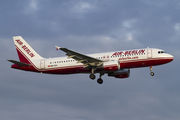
[[160, 52]]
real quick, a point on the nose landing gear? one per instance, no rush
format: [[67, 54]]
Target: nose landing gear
[[152, 73]]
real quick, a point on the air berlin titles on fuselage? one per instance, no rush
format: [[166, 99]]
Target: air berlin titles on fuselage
[[129, 52], [25, 48]]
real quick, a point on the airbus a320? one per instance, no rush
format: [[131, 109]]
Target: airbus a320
[[115, 64]]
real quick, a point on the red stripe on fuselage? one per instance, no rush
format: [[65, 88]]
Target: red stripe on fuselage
[[25, 68], [123, 65], [80, 69], [144, 62]]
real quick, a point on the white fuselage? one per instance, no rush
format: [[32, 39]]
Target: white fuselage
[[127, 59]]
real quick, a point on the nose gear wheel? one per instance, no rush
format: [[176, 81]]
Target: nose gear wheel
[[152, 73]]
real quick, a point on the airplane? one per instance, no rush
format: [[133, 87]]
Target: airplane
[[115, 64]]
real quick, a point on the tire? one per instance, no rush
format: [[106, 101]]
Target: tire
[[92, 76], [152, 73], [100, 81]]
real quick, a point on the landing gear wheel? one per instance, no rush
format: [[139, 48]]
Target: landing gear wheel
[[152, 74], [92, 76], [100, 81]]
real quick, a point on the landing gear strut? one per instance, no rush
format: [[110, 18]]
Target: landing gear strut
[[152, 73], [100, 81], [92, 76]]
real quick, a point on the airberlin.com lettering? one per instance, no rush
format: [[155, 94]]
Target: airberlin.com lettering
[[127, 58], [25, 48]]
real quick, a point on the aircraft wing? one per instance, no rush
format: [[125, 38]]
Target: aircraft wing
[[80, 58]]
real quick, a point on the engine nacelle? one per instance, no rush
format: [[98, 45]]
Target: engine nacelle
[[111, 66], [120, 74]]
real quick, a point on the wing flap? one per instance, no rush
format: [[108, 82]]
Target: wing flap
[[80, 58]]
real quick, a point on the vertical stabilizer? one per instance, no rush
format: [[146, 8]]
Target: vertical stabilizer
[[25, 52]]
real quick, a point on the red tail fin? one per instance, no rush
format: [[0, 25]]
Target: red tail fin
[[25, 52]]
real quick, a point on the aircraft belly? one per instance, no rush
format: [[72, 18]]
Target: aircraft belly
[[143, 62]]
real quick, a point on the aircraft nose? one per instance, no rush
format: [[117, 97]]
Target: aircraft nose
[[170, 57]]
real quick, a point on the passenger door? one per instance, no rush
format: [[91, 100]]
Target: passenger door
[[149, 53]]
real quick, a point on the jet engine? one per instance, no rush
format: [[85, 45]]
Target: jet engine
[[120, 73]]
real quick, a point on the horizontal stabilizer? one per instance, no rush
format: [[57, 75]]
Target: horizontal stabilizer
[[19, 63]]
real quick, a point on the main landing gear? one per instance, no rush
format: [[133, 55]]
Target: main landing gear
[[152, 73], [100, 81], [92, 76]]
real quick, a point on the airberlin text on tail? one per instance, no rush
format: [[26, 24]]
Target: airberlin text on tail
[[25, 48], [25, 51]]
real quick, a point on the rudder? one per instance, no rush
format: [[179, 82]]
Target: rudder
[[25, 52]]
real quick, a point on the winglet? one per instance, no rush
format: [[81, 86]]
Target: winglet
[[57, 48]]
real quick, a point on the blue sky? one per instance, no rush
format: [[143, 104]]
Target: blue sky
[[90, 26]]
